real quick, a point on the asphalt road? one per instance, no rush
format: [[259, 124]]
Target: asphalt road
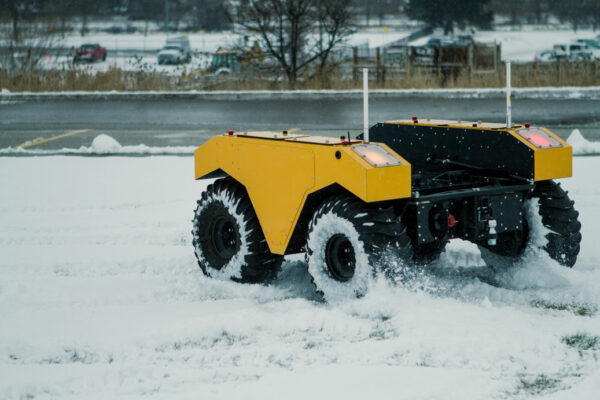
[[184, 122]]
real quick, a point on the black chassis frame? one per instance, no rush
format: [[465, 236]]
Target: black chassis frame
[[467, 214], [467, 183]]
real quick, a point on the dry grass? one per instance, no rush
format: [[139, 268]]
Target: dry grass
[[524, 75]]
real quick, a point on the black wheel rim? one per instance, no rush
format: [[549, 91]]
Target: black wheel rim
[[225, 237], [340, 258]]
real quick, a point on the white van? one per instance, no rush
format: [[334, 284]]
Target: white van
[[184, 44]]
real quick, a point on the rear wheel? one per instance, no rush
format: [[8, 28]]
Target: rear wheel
[[557, 215], [227, 237], [346, 240]]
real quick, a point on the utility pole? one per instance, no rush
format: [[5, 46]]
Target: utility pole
[[167, 17]]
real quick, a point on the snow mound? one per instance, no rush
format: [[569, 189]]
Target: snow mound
[[103, 144], [581, 145]]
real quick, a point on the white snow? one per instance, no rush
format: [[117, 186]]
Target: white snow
[[524, 44], [101, 297], [204, 42], [376, 39], [582, 146], [104, 144], [548, 92]]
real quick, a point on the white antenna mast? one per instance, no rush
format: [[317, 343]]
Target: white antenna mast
[[365, 105], [508, 97]]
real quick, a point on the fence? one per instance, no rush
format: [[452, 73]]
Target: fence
[[400, 62]]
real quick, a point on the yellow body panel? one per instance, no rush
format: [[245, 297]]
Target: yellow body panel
[[279, 174]]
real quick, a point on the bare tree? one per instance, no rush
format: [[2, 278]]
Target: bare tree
[[333, 20], [26, 47], [63, 10], [576, 12], [151, 10], [297, 33], [210, 15], [14, 10]]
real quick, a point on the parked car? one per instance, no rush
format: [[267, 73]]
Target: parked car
[[434, 42], [582, 51], [122, 28], [463, 40], [550, 55], [575, 52], [176, 51], [441, 42], [90, 52], [591, 43], [170, 55]]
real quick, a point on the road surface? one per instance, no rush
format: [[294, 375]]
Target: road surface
[[184, 122]]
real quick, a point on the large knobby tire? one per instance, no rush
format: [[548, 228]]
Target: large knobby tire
[[346, 241], [227, 237], [556, 213]]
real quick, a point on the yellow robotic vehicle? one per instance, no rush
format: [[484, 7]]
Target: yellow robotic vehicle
[[404, 189], [346, 202]]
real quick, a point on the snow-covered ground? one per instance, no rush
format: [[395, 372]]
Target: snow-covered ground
[[101, 297], [517, 45], [210, 42], [523, 44], [126, 63]]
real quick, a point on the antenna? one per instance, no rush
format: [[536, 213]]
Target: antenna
[[508, 97], [366, 105]]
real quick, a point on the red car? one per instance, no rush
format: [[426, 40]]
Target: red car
[[90, 52]]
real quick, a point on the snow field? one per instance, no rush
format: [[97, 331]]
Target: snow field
[[101, 297]]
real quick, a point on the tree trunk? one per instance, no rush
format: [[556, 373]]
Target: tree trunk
[[84, 25], [448, 27], [15, 23], [63, 24]]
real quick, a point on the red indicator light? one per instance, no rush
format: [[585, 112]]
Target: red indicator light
[[230, 132], [415, 119], [527, 124], [451, 221]]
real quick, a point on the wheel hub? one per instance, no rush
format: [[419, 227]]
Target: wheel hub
[[224, 237], [340, 258]]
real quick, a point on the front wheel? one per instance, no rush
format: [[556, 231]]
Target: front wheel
[[228, 240], [346, 240], [556, 216]]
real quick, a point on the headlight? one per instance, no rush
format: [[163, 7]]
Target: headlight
[[539, 138], [376, 155]]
